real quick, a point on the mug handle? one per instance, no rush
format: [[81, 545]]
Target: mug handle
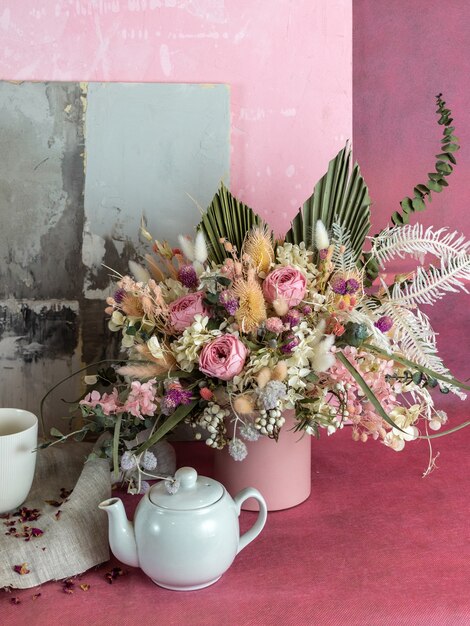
[[251, 492]]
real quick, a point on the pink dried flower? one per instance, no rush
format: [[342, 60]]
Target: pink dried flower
[[274, 325], [206, 393], [140, 401]]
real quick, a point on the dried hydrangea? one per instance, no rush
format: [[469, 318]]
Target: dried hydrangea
[[188, 346]]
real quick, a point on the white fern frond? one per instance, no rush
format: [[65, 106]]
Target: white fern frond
[[417, 242], [416, 339], [343, 258], [430, 285]]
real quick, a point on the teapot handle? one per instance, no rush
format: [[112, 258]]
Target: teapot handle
[[258, 526]]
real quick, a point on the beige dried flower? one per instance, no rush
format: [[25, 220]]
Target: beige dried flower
[[244, 404], [263, 377]]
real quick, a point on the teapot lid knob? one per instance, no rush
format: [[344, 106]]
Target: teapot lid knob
[[187, 477]]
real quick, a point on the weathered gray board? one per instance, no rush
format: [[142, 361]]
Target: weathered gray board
[[80, 164]]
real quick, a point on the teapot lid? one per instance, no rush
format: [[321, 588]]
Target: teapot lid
[[194, 492]]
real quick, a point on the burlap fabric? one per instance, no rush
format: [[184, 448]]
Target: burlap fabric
[[75, 535]]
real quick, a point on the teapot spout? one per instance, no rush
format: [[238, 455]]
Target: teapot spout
[[121, 532]]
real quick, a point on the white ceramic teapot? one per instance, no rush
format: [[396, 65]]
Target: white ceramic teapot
[[187, 540]]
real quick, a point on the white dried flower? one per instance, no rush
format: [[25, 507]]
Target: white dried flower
[[140, 273], [149, 461], [172, 486], [249, 432], [237, 450], [322, 240], [144, 487], [128, 461], [187, 347], [269, 396]]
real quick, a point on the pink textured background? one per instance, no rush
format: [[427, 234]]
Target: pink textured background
[[404, 54], [288, 64]]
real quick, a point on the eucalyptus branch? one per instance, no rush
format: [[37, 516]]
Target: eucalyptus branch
[[436, 180]]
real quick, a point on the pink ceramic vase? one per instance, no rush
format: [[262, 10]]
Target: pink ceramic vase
[[280, 470]]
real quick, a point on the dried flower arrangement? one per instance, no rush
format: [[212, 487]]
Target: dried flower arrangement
[[237, 326]]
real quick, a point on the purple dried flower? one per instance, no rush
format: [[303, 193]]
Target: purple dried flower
[[173, 398], [384, 324], [323, 254], [339, 286], [352, 285], [228, 301], [291, 342], [306, 310], [187, 276], [119, 295], [292, 318]]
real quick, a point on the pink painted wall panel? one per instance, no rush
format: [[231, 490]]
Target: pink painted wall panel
[[288, 64], [404, 54]]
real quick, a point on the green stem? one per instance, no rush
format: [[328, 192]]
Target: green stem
[[425, 370], [180, 413], [446, 432], [117, 432], [367, 390], [63, 380]]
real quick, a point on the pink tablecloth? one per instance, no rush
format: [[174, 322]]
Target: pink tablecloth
[[375, 544]]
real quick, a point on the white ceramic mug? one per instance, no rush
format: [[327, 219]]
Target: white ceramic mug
[[18, 442]]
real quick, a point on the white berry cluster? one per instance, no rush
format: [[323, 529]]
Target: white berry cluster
[[269, 422], [212, 419]]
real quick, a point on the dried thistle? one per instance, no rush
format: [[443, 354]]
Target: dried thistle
[[258, 246], [252, 308]]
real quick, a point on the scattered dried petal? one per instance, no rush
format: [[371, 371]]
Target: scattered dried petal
[[113, 574], [15, 600], [21, 569], [57, 515], [84, 586], [36, 596], [28, 515], [36, 532], [68, 585], [53, 503]]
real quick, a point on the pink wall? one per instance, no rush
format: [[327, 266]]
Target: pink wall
[[288, 64], [404, 54]]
